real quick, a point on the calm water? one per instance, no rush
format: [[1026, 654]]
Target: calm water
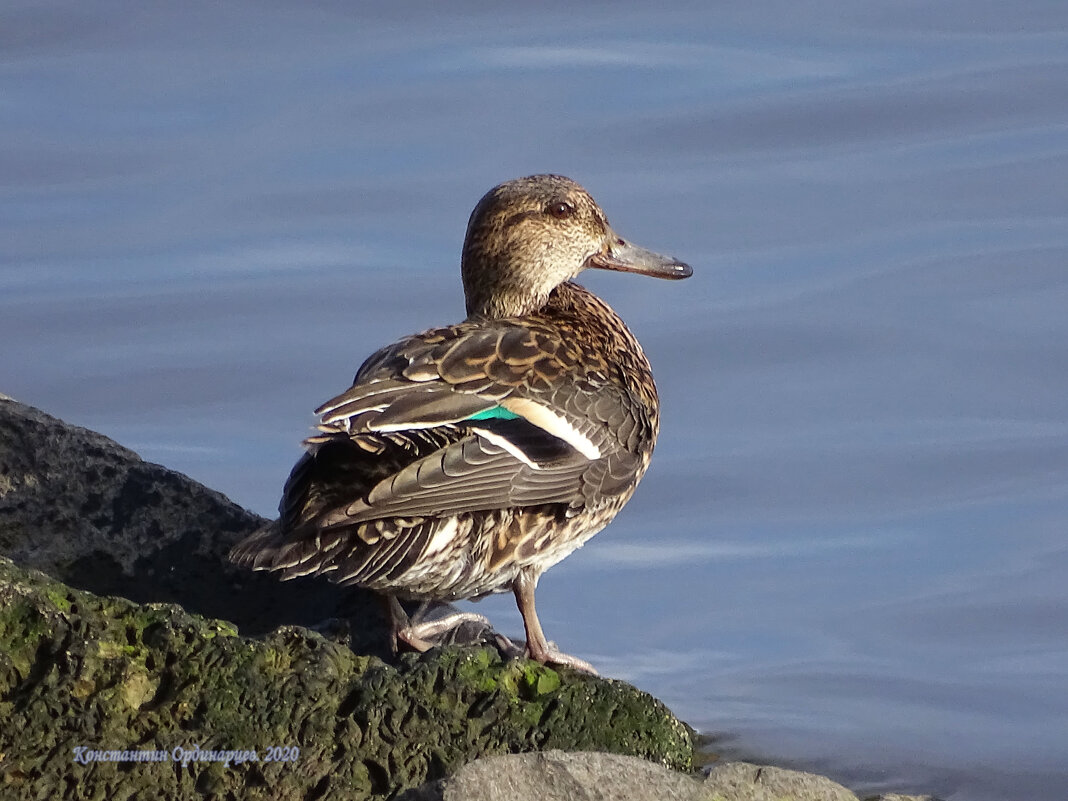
[[850, 552]]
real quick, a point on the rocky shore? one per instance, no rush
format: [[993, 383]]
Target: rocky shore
[[135, 662]]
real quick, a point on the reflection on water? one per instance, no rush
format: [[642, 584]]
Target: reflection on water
[[849, 552]]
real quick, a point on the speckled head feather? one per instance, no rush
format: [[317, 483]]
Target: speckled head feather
[[527, 236], [467, 460]]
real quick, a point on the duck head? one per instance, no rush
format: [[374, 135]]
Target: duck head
[[528, 236]]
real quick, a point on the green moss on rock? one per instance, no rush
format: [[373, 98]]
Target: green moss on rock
[[108, 675]]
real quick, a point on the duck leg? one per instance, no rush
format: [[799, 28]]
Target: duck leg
[[423, 635], [538, 648]]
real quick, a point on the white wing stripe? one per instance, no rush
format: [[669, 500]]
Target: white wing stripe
[[550, 421], [500, 441]]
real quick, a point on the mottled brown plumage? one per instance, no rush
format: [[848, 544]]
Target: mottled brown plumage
[[467, 460]]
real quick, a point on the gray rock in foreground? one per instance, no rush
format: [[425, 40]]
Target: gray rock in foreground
[[562, 776], [589, 776], [742, 781]]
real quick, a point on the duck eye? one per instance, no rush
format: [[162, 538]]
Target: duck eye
[[561, 210]]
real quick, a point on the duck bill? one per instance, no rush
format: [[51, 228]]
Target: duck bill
[[625, 257]]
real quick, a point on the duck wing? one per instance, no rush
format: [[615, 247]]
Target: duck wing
[[501, 416]]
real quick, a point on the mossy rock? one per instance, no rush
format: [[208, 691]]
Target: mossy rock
[[108, 675]]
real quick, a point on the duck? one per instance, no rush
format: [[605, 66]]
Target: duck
[[468, 459]]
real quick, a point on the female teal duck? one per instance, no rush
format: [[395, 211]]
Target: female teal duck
[[467, 460]]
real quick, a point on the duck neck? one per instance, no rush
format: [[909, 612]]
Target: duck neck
[[499, 304], [501, 291]]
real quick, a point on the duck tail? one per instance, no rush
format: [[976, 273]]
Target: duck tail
[[260, 549]]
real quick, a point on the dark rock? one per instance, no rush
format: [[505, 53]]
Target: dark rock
[[83, 509]]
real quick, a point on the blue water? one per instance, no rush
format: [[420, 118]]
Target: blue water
[[850, 550]]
